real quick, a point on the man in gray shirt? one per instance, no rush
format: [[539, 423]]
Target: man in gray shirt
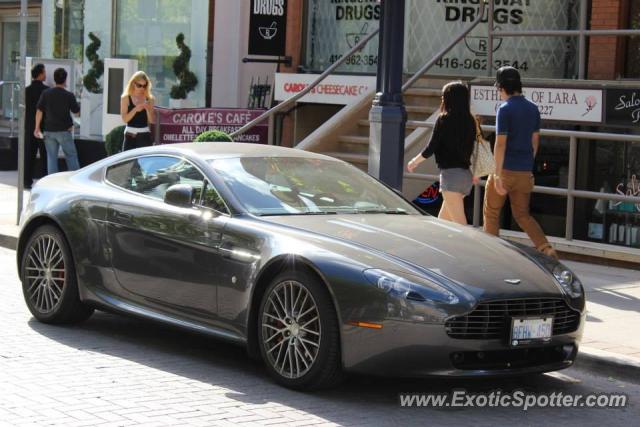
[[57, 104]]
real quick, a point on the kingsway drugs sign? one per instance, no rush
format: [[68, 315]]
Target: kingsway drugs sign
[[562, 104], [335, 89]]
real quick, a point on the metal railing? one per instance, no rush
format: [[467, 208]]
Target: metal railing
[[571, 192], [286, 103], [13, 87]]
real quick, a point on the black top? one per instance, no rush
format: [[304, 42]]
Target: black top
[[32, 95], [452, 142], [57, 104], [139, 120]]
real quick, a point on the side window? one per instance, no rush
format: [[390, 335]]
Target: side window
[[211, 198], [153, 175]]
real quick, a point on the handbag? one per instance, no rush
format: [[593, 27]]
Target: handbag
[[482, 161]]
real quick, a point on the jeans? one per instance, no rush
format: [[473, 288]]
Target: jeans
[[64, 139], [519, 186]]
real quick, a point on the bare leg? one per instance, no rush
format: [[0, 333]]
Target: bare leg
[[444, 213], [454, 203]]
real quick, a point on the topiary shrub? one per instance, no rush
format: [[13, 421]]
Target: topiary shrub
[[213, 136], [91, 79], [187, 79], [113, 140]]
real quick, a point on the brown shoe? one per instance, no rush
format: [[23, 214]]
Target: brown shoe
[[548, 250]]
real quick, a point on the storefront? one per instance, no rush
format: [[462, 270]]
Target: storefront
[[140, 29]]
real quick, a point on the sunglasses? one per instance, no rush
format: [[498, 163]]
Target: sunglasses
[[139, 86]]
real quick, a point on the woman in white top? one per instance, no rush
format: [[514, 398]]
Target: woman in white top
[[136, 110]]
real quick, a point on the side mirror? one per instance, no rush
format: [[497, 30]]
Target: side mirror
[[180, 195]]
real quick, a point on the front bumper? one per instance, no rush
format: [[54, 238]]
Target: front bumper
[[407, 349]]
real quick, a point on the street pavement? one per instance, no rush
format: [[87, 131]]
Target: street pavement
[[118, 371]]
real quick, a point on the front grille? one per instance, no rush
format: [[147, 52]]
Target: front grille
[[516, 358], [490, 320]]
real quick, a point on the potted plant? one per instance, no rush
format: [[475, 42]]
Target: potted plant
[[213, 136], [187, 80], [91, 111]]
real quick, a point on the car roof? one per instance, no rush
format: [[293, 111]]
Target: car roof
[[221, 150]]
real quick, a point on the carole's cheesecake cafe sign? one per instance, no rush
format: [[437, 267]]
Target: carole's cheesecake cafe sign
[[335, 89]]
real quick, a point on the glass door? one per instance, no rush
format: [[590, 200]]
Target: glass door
[[10, 56]]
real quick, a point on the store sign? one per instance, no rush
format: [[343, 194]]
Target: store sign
[[623, 107], [432, 24], [184, 125], [334, 89], [268, 27], [336, 26], [563, 104]]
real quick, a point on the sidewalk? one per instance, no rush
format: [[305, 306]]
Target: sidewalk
[[613, 294], [9, 208]]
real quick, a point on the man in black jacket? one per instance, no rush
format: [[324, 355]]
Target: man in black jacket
[[32, 144]]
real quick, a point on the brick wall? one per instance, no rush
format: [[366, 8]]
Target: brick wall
[[606, 54]]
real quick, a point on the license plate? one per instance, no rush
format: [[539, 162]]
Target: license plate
[[525, 330]]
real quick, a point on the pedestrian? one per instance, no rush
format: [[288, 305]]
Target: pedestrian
[[452, 142], [57, 104], [34, 145], [136, 110], [517, 142]]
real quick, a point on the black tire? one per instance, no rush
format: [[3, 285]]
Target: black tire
[[49, 282], [325, 370]]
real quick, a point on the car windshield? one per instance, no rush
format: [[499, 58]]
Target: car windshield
[[304, 186]]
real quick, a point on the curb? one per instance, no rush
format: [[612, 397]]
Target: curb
[[8, 242], [605, 362]]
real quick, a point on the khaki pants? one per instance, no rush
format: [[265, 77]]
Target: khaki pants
[[519, 186]]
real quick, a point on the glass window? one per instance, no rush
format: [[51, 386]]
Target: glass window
[[609, 167], [431, 25], [152, 176], [334, 27], [68, 42], [146, 30], [211, 199], [633, 46], [298, 186]]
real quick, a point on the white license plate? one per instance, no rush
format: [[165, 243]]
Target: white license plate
[[527, 329]]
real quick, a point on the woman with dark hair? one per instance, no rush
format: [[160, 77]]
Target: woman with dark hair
[[452, 142]]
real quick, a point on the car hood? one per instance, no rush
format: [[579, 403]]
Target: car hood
[[482, 264]]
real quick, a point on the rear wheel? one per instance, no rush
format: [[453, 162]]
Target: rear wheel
[[49, 281], [298, 332]]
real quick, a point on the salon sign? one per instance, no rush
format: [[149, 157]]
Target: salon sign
[[561, 104], [623, 107]]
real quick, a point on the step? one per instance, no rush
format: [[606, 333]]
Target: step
[[362, 159], [411, 124], [420, 109], [354, 139], [423, 91]]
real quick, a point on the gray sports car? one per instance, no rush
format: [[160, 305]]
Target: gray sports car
[[314, 266]]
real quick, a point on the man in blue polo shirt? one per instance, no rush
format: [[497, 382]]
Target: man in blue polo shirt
[[517, 142]]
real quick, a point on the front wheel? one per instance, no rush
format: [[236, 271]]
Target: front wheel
[[49, 281], [298, 332]]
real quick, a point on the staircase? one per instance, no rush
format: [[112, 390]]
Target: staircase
[[346, 135]]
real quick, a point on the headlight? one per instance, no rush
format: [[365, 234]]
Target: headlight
[[568, 281], [411, 287]]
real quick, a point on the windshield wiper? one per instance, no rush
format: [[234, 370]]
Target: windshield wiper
[[381, 211]]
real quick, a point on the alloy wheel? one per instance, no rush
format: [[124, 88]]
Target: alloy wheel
[[291, 331], [45, 273]]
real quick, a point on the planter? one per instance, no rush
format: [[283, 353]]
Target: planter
[[180, 103], [91, 114]]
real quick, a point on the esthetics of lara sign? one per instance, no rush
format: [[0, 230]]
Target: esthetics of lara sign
[[562, 104]]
